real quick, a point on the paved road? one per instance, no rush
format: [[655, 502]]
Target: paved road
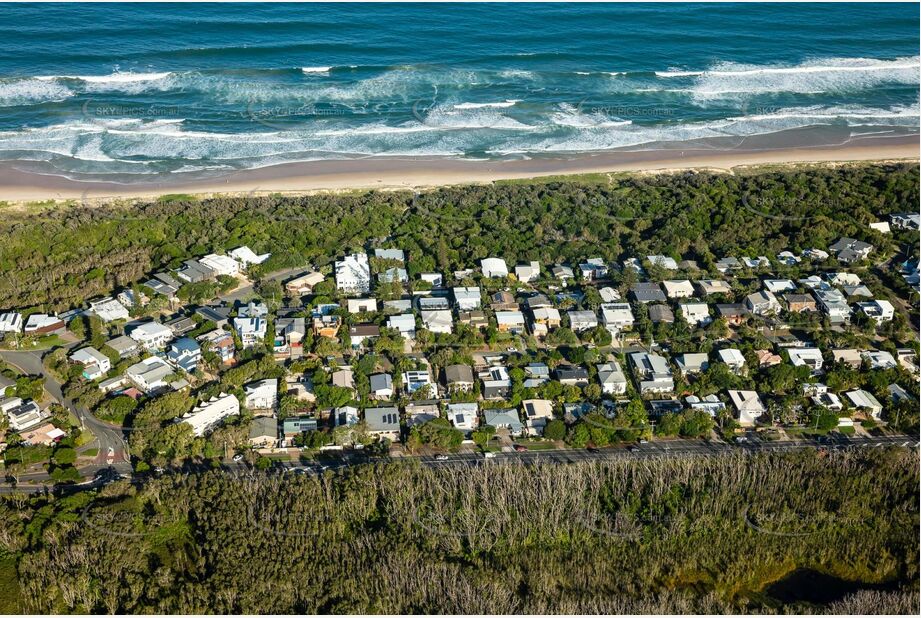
[[244, 292], [107, 436]]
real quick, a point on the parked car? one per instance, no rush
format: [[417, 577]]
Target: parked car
[[441, 457], [238, 457], [489, 455], [520, 448]]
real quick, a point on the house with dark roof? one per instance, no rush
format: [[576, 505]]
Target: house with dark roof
[[647, 292]]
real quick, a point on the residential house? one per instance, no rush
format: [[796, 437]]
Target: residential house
[[467, 298], [345, 416], [405, 324], [880, 311], [538, 301], [251, 331], [361, 305], [709, 287], [246, 256], [44, 435], [536, 374], [293, 427], [95, 363], [353, 274], [762, 302], [678, 288], [303, 284], [593, 269], [905, 220], [464, 417], [608, 295], [221, 343], [692, 363], [221, 265], [181, 325], [394, 274], [261, 395], [432, 303], [647, 292], [537, 413], [185, 353], [806, 357], [571, 375], [850, 250], [528, 272], [22, 414], [502, 301], [728, 264], [758, 262], [510, 322], [822, 397], [748, 405], [474, 319], [496, 383], [219, 316], [787, 258], [418, 379], [108, 309], [326, 324], [581, 321], [396, 255], [834, 306], [696, 314], [855, 291], [289, 337], [263, 432], [504, 419], [209, 414], [439, 321], [150, 374], [863, 400], [420, 412], [152, 335], [544, 319], [360, 333], [494, 267], [733, 313], [798, 303], [343, 378], [10, 323], [612, 378], [434, 279], [563, 273], [880, 359], [42, 324], [848, 356], [193, 271], [458, 378], [653, 372], [766, 358], [661, 314], [383, 422], [710, 404], [616, 317], [776, 286], [733, 358], [662, 261], [381, 386], [124, 346]]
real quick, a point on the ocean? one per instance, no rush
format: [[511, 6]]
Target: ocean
[[103, 91]]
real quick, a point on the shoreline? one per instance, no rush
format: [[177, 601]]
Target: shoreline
[[382, 173]]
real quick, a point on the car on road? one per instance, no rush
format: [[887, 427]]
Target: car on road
[[643, 441], [633, 449], [110, 455], [520, 448], [489, 455], [238, 458], [510, 349], [592, 449], [441, 457]]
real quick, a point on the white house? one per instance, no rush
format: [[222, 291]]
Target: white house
[[494, 267], [612, 378], [261, 395], [776, 286], [806, 357], [653, 372], [150, 374], [696, 314], [527, 273], [437, 321], [11, 323], [510, 322], [616, 316], [463, 416], [152, 335], [405, 324], [733, 358], [208, 414], [381, 386], [879, 311], [353, 274], [678, 288], [467, 299], [247, 256], [748, 406], [95, 363], [250, 330], [865, 401], [663, 261], [762, 302], [362, 305], [109, 309], [580, 321], [221, 264]]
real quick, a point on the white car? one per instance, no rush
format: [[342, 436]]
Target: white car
[[238, 457], [441, 457], [489, 455]]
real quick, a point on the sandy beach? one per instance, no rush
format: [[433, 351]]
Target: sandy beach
[[18, 185]]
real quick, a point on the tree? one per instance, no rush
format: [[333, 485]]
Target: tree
[[483, 435], [555, 430], [64, 456]]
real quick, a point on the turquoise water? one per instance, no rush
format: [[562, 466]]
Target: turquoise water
[[93, 91]]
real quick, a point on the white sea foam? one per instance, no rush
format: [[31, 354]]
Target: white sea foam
[[316, 69], [506, 103], [31, 92]]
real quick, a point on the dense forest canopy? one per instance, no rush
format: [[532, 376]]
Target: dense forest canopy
[[56, 257], [694, 534]]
